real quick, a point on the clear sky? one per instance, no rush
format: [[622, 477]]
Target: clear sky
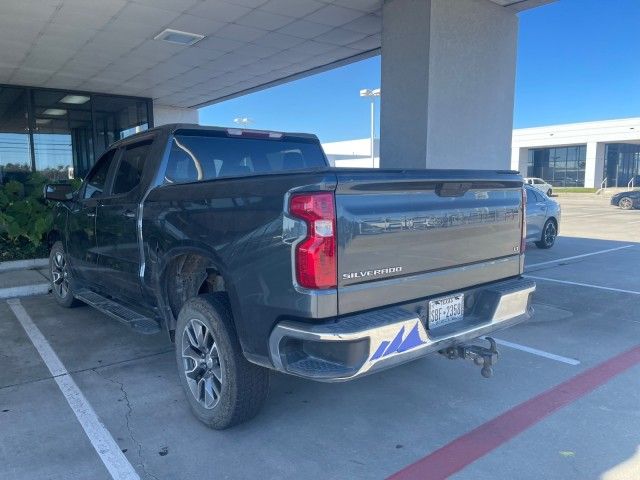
[[578, 60]]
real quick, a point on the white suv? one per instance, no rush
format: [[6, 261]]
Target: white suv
[[540, 184]]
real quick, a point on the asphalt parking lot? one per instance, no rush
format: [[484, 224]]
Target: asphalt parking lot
[[564, 401]]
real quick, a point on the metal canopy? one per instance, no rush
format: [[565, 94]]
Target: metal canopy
[[108, 45]]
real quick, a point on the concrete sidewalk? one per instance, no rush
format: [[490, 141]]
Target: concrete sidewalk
[[22, 279]]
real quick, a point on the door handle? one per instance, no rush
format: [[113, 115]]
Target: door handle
[[129, 214]]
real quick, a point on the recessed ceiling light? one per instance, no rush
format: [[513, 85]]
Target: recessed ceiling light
[[178, 37], [75, 99], [42, 121], [58, 112]]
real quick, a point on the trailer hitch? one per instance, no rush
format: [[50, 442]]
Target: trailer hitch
[[481, 356]]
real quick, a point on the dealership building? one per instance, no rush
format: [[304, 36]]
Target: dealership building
[[589, 154], [61, 132]]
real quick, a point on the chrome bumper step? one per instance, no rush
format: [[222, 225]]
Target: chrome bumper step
[[359, 344]]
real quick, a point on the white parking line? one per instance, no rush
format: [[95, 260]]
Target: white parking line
[[567, 282], [540, 353], [586, 215], [637, 221], [559, 260], [24, 291], [102, 441]]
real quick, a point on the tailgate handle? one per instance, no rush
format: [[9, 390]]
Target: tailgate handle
[[452, 189]]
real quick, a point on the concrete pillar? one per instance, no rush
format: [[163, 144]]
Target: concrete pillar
[[520, 160], [163, 115], [448, 73], [594, 166]]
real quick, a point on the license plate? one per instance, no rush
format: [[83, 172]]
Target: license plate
[[445, 310]]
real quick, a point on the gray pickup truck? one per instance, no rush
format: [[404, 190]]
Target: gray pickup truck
[[252, 254]]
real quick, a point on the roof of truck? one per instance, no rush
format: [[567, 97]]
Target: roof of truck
[[171, 128]]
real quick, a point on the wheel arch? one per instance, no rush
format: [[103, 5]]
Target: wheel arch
[[553, 219], [184, 273]]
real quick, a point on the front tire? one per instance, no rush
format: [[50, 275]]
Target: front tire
[[549, 234], [222, 387], [59, 274], [549, 192], [625, 203]]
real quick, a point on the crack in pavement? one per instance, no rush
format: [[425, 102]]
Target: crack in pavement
[[127, 418], [88, 369]]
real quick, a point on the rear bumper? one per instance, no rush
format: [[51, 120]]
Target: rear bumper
[[363, 343]]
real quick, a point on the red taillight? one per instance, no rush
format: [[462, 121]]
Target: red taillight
[[316, 253], [523, 229]]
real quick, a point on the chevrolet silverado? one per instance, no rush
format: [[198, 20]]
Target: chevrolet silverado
[[252, 254]]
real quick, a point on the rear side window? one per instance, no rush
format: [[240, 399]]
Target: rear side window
[[531, 196], [534, 195], [97, 178], [130, 169], [198, 157]]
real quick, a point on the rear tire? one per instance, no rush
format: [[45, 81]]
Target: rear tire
[[549, 234], [626, 203], [59, 274], [549, 192], [222, 387]]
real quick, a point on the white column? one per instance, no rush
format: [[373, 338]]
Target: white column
[[163, 115], [594, 166], [519, 160], [448, 70], [405, 83]]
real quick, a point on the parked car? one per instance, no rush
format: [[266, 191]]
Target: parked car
[[540, 184], [543, 218], [252, 254], [627, 200]]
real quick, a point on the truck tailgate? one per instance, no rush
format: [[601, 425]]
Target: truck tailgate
[[410, 234]]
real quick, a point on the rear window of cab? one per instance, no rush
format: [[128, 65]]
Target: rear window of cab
[[195, 158]]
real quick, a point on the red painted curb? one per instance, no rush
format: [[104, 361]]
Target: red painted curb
[[466, 449]]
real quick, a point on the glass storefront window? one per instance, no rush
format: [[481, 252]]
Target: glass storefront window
[[559, 166], [117, 118], [61, 133], [15, 149], [622, 163]]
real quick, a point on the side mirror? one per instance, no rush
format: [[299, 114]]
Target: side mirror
[[58, 192]]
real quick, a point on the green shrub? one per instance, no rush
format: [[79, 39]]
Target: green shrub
[[21, 250], [25, 218]]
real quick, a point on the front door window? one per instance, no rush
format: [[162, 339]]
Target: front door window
[[97, 179]]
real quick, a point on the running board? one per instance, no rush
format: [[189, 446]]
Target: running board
[[125, 315]]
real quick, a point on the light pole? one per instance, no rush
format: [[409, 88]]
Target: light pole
[[372, 94]]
